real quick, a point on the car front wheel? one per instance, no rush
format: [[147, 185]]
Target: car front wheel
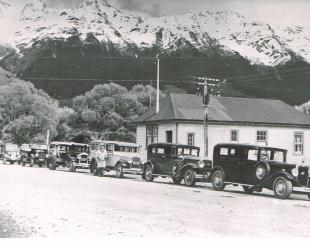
[[282, 188], [190, 177], [148, 173], [218, 180], [119, 171]]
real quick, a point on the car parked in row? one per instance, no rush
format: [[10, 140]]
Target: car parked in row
[[69, 154], [179, 162], [255, 168], [33, 154], [9, 153], [121, 157]]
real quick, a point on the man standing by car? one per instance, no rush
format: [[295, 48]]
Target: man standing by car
[[102, 155], [53, 158]]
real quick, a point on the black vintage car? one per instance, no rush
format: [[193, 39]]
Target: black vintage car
[[176, 161], [255, 168], [68, 154], [33, 154]]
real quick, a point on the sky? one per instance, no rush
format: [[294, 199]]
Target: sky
[[271, 11]]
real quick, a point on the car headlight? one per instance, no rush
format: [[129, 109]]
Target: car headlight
[[295, 172], [201, 164]]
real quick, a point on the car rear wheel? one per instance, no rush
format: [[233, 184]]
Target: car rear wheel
[[248, 189], [12, 162], [282, 188], [190, 177], [119, 171], [218, 180], [148, 173]]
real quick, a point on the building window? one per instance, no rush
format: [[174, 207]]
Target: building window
[[298, 143], [234, 135], [151, 134], [191, 139], [261, 137], [169, 136]]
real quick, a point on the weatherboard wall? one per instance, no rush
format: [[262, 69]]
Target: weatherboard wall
[[281, 137]]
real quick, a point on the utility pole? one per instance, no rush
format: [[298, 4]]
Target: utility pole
[[47, 140], [206, 99], [157, 91], [151, 95]]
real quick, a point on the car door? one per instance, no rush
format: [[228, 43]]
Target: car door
[[250, 157], [160, 159], [233, 165]]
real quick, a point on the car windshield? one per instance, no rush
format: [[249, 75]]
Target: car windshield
[[188, 151]]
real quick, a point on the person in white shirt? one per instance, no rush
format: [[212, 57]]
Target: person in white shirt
[[102, 155]]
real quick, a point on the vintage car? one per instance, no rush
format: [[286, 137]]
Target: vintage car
[[254, 168], [9, 153], [25, 155], [69, 154], [33, 154], [180, 162], [122, 157]]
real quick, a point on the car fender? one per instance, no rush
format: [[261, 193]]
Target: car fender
[[123, 163], [271, 178], [185, 167], [215, 168], [148, 162]]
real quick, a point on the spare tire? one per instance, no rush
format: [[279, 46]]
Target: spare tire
[[262, 171]]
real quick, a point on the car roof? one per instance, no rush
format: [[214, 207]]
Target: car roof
[[127, 144], [68, 143], [249, 146], [173, 144]]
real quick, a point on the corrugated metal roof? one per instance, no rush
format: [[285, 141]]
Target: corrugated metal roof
[[226, 109]]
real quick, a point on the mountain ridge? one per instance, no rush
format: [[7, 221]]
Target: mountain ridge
[[39, 42]]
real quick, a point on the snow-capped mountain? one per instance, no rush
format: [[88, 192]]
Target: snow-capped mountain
[[228, 32]]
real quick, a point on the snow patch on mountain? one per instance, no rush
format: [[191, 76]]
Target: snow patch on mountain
[[22, 26]]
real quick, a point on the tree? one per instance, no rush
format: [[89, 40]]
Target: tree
[[108, 110], [26, 113]]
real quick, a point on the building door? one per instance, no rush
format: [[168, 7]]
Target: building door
[[169, 134]]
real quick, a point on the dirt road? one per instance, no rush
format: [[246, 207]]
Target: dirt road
[[37, 202]]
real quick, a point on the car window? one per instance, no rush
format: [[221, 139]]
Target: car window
[[195, 152], [173, 151], [232, 153], [265, 154], [160, 151], [180, 151], [109, 147], [186, 151], [252, 154], [278, 156], [224, 152]]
